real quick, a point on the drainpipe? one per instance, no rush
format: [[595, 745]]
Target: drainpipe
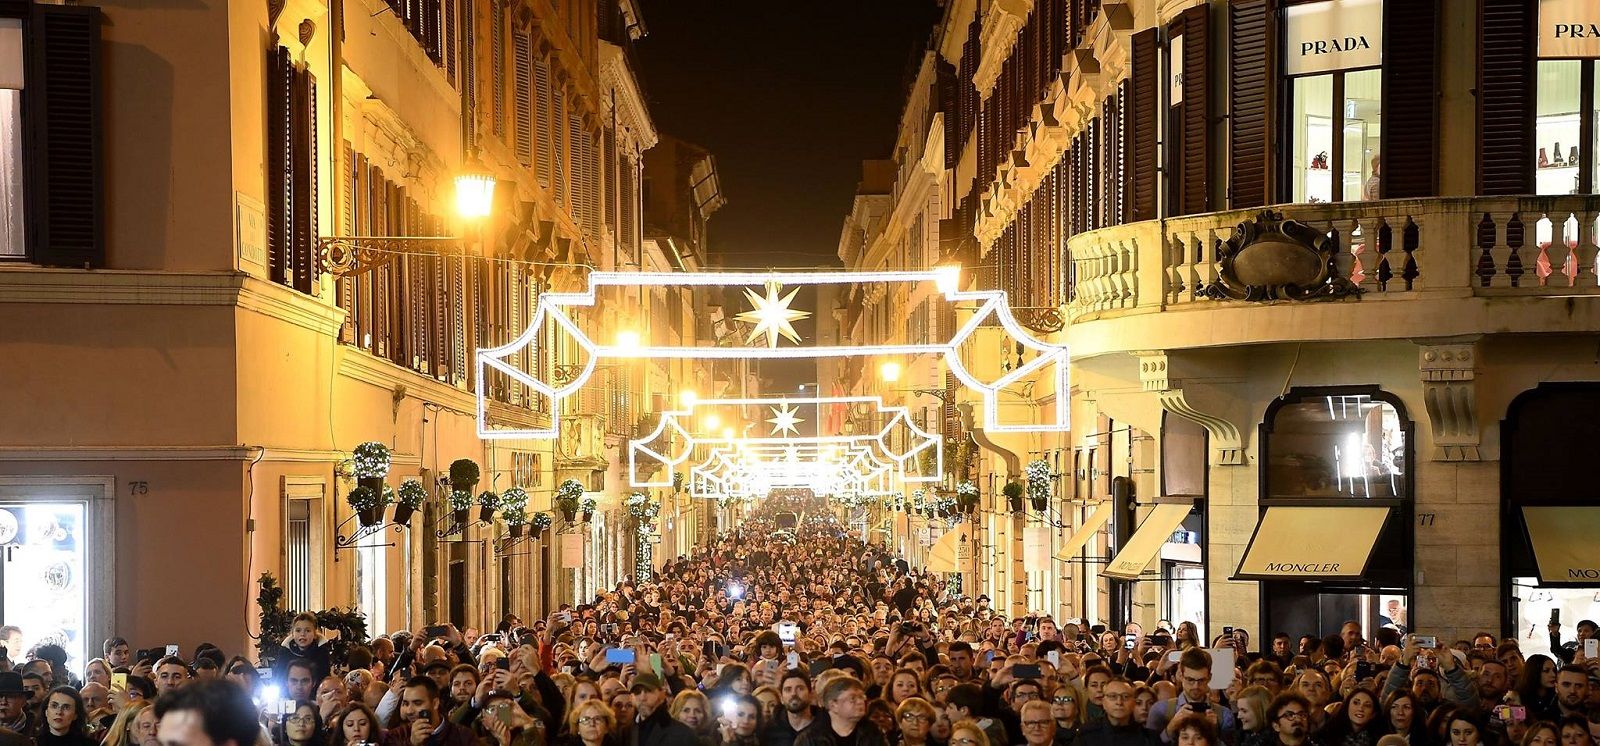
[[1017, 573]]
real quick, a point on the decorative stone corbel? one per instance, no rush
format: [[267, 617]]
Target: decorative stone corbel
[[1449, 371], [1227, 446]]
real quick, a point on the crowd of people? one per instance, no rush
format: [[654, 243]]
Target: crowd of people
[[798, 634]]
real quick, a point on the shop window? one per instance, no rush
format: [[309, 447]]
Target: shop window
[[1336, 126], [1565, 161], [1337, 446]]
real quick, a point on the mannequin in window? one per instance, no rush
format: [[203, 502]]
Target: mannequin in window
[[1369, 191]]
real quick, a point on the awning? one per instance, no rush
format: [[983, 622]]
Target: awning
[[947, 554], [1312, 543], [1093, 523], [1146, 542], [1563, 541]]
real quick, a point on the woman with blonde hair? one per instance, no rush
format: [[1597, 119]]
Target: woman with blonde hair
[[693, 709], [590, 723], [915, 718], [967, 733], [1251, 707], [121, 731]]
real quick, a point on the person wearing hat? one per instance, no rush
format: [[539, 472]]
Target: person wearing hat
[[654, 725], [15, 715]]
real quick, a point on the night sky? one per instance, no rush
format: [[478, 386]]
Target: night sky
[[789, 97]]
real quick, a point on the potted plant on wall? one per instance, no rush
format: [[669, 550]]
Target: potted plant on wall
[[567, 496], [368, 504], [967, 497], [460, 505], [408, 498], [488, 503], [516, 520], [1013, 493], [370, 464], [540, 522], [588, 505], [1038, 472], [464, 475]]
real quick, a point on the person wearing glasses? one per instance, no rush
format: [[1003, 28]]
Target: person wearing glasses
[[915, 718], [302, 728], [968, 733], [1038, 726], [1066, 709], [1119, 728], [1194, 679], [1289, 716], [846, 724], [590, 723], [64, 719]]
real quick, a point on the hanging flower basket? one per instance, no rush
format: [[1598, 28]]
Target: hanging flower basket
[[488, 503], [408, 498], [1038, 472], [967, 497], [588, 505], [540, 523], [568, 494], [516, 520], [464, 475], [368, 504], [1013, 493], [460, 505], [370, 460]]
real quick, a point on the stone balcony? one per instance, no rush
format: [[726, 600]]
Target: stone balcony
[[1426, 268]]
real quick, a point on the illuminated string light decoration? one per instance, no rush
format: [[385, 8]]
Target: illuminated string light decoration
[[772, 315], [785, 419], [674, 440], [988, 308], [739, 469]]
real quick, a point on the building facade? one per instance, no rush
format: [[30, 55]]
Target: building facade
[[1324, 296], [240, 256]]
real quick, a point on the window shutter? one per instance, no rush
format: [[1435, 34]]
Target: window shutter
[[63, 104], [1505, 98], [626, 194], [280, 168], [497, 67], [452, 40], [1142, 108], [523, 50], [542, 132], [1195, 152], [469, 71], [558, 151], [347, 200], [1249, 22], [307, 272], [608, 186], [1410, 166]]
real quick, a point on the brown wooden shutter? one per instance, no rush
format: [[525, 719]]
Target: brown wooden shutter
[[608, 164], [451, 42], [65, 188], [1249, 90], [1194, 194], [522, 49], [542, 132], [344, 287], [307, 272], [558, 152], [1506, 84], [469, 71], [1142, 130], [280, 168], [497, 66], [1410, 150]]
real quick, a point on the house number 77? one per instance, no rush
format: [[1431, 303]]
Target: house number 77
[[138, 488]]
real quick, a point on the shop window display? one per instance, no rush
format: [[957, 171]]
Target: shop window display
[[1336, 127]]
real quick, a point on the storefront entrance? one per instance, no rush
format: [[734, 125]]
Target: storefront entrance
[[55, 555]]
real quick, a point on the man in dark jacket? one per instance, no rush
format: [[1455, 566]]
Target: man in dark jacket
[[1119, 728], [797, 713], [845, 700], [421, 721], [655, 727]]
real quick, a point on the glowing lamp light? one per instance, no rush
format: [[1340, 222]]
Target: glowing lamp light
[[474, 194], [947, 279], [889, 371], [727, 433], [712, 421], [628, 340], [688, 398]]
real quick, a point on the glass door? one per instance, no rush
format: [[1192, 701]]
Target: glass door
[[43, 560]]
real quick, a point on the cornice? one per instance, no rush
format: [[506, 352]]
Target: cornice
[[617, 76], [999, 34], [953, 29], [151, 288]]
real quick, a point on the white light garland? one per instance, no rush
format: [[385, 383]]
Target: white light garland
[[992, 306]]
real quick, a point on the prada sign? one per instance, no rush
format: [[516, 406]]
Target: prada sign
[[1332, 35], [1569, 28]]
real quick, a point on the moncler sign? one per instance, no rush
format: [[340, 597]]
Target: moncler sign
[[1333, 35], [1569, 28]]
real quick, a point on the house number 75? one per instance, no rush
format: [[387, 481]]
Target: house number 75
[[138, 488]]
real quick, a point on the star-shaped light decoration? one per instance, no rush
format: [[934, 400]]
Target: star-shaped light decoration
[[772, 315], [786, 419]]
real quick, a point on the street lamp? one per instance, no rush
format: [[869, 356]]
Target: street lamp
[[889, 371], [348, 256], [687, 398]]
